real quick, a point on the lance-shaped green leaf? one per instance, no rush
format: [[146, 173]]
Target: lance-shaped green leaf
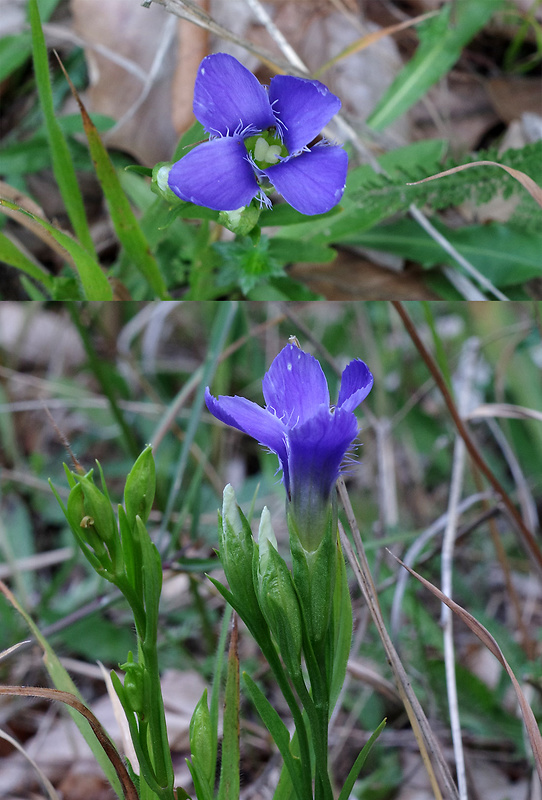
[[63, 169], [442, 40], [93, 281], [10, 254], [123, 218]]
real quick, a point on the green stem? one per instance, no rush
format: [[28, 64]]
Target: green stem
[[270, 653], [161, 755], [317, 708]]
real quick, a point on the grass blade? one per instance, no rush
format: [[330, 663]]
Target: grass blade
[[94, 282], [441, 42], [487, 639], [123, 218], [63, 169], [64, 683], [10, 254], [359, 762]]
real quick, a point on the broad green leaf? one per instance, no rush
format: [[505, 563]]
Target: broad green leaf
[[93, 280], [290, 251], [505, 256], [10, 254], [63, 169], [62, 681], [442, 40]]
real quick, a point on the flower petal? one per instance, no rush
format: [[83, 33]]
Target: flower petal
[[227, 95], [312, 182], [295, 387], [317, 449], [304, 106], [250, 418], [356, 383], [216, 175]]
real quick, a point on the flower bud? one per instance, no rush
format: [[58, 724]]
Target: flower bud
[[159, 183], [241, 221], [236, 550], [277, 597], [83, 524], [140, 487], [134, 685]]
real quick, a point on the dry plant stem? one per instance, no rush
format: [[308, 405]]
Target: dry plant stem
[[128, 787], [527, 537], [51, 791], [464, 286], [466, 375], [487, 639], [416, 548], [422, 220], [430, 750], [527, 641], [186, 9]]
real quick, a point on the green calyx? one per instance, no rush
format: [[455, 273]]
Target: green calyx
[[266, 148]]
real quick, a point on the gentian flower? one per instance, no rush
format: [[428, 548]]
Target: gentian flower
[[259, 134], [310, 438]]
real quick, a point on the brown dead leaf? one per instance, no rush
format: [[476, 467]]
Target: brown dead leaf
[[350, 277], [513, 96], [141, 95]]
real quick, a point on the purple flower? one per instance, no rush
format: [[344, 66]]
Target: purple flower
[[259, 134], [297, 423]]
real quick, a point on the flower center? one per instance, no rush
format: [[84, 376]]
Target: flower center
[[266, 148]]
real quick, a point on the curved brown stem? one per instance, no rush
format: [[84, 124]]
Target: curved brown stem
[[128, 788]]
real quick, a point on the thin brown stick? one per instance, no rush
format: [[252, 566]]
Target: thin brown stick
[[128, 788], [430, 750], [527, 537]]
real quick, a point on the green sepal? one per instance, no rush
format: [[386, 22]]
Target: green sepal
[[140, 487], [134, 685], [314, 577], [241, 221]]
